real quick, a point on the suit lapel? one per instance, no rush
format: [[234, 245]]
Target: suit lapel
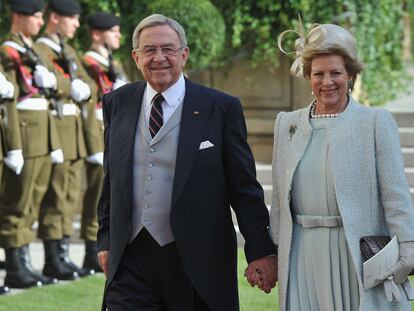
[[302, 137], [130, 107], [195, 115]]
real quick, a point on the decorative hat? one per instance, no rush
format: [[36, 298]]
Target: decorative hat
[[26, 7], [65, 7], [102, 20], [321, 37]]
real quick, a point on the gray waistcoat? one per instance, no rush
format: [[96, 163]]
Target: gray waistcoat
[[154, 167]]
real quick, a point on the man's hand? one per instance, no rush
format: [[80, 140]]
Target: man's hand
[[262, 272], [103, 261]]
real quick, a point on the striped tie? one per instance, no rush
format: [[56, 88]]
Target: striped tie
[[155, 121]]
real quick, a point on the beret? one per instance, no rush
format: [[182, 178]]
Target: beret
[[65, 7], [26, 7], [102, 20]]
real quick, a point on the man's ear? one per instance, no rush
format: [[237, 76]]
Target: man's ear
[[54, 18], [185, 55], [135, 57], [96, 35]]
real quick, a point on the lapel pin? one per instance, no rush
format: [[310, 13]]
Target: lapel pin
[[196, 112], [292, 131]]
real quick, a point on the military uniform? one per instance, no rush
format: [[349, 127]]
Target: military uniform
[[107, 74], [62, 197], [33, 131], [4, 104], [97, 67], [79, 135], [10, 138], [30, 132]]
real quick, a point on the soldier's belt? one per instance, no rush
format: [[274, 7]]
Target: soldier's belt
[[68, 110], [33, 104], [99, 114]]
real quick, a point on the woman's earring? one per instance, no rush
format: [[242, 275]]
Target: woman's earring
[[350, 86]]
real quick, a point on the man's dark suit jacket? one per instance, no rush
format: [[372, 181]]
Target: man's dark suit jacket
[[206, 183]]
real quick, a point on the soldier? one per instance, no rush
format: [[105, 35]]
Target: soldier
[[32, 142], [108, 75], [6, 101], [63, 196]]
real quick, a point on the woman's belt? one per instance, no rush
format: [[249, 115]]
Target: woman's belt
[[33, 104], [311, 221]]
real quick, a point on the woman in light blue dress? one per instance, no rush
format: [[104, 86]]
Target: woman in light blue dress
[[338, 175]]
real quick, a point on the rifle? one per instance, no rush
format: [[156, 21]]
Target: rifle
[[35, 60], [112, 74], [67, 62]]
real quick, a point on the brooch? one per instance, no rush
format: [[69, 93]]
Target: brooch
[[292, 131]]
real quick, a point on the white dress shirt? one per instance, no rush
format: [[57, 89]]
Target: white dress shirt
[[172, 98]]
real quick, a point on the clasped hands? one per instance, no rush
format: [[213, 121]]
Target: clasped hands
[[263, 273]]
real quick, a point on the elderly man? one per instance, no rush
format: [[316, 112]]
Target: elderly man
[[176, 158]]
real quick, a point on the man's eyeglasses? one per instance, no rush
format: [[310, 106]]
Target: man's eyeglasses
[[149, 51]]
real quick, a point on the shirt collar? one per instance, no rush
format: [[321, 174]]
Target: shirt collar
[[173, 95]]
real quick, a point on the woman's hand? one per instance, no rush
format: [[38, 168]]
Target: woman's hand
[[399, 272], [404, 266]]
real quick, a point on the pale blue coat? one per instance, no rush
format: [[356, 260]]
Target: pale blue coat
[[371, 187]]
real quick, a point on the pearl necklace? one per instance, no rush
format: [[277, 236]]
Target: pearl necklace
[[323, 115]]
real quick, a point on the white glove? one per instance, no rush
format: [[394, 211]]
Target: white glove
[[79, 91], [118, 83], [404, 266], [56, 156], [44, 78], [14, 160], [96, 158], [391, 290], [399, 272], [6, 87]]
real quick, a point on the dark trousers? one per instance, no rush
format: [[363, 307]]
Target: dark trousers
[[151, 278]]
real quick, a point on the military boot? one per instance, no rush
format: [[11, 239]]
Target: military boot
[[54, 267], [25, 255], [64, 257], [4, 290], [90, 262], [17, 274]]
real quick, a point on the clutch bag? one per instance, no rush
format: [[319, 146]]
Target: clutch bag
[[371, 245]]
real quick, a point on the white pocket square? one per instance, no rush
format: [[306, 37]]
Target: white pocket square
[[205, 144]]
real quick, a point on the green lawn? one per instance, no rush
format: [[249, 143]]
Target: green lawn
[[86, 294]]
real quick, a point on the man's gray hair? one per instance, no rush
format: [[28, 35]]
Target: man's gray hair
[[156, 20]]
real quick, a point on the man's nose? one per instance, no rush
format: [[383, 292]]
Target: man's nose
[[159, 55]]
